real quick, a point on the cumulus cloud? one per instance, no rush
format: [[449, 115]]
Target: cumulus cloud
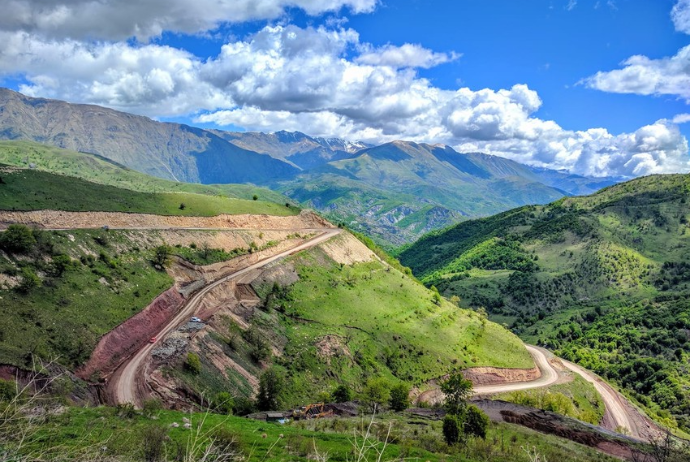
[[326, 82], [122, 19], [681, 119], [644, 76], [680, 14], [407, 55]]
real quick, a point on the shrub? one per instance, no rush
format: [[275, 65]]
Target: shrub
[[193, 363], [451, 429], [457, 390], [161, 256], [17, 239], [223, 403], [342, 394], [476, 422], [400, 397], [29, 280], [61, 263], [153, 443]]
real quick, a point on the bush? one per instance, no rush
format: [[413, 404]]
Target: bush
[[61, 263], [193, 363], [476, 422], [29, 280], [342, 394], [151, 406], [153, 443], [223, 403], [451, 429], [400, 397], [161, 257], [17, 239], [8, 390]]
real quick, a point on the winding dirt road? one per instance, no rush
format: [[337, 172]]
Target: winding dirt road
[[549, 376], [125, 382]]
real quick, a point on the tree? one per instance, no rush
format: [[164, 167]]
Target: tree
[[17, 239], [476, 422], [271, 385], [457, 390], [376, 392], [161, 256], [400, 397], [182, 206], [342, 393], [451, 429], [255, 197]]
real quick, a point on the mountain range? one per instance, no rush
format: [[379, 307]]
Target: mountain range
[[394, 192]]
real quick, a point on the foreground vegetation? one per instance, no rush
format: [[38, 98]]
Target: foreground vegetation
[[603, 280]]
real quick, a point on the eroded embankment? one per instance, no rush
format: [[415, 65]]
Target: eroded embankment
[[54, 219], [498, 375], [118, 344]]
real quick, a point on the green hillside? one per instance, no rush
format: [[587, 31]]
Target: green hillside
[[97, 169], [33, 189], [398, 191], [603, 279]]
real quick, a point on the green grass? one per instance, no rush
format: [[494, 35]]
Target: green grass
[[610, 276], [581, 401], [97, 169], [64, 317], [39, 190], [80, 433], [386, 323]]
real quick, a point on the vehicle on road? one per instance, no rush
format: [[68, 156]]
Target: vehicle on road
[[195, 319], [153, 340]]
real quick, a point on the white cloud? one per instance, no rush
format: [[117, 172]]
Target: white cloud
[[680, 14], [571, 5], [407, 55], [315, 80], [681, 119], [122, 19], [644, 76]]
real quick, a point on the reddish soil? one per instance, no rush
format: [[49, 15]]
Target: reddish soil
[[130, 336]]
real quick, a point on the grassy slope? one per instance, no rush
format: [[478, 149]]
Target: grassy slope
[[78, 434], [38, 190], [65, 316], [96, 169], [383, 324], [607, 285]]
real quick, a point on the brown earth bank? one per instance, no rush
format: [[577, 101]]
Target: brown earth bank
[[497, 376], [118, 344], [606, 441], [53, 219]]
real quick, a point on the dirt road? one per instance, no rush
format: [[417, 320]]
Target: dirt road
[[549, 376], [622, 415], [124, 386]]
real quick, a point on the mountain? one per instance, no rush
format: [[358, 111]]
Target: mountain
[[166, 150], [400, 190], [298, 149], [602, 279], [395, 192]]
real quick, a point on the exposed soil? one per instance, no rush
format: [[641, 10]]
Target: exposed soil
[[496, 376], [118, 344], [348, 250], [69, 220], [548, 422]]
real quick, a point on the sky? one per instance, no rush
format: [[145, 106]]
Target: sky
[[594, 87]]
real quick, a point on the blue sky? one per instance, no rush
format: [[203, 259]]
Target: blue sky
[[598, 87]]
